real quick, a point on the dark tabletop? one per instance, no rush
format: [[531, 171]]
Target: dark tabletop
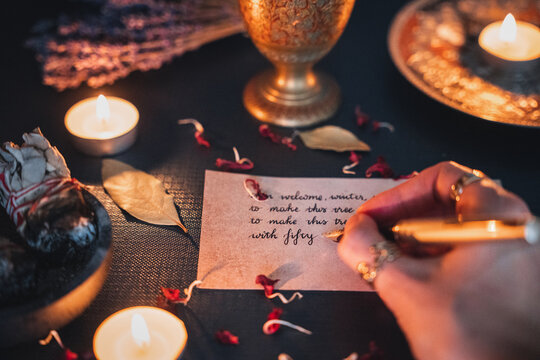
[[207, 85]]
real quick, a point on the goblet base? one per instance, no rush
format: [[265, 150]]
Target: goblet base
[[268, 103]]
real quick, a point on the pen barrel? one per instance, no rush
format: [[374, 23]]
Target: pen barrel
[[452, 231]]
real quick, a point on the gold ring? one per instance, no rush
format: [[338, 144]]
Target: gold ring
[[456, 190], [384, 251]]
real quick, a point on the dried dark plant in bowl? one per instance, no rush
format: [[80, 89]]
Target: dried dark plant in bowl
[[40, 295]]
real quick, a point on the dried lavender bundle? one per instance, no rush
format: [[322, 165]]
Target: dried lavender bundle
[[128, 35], [44, 202]]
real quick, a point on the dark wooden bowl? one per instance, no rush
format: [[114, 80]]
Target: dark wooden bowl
[[34, 319]]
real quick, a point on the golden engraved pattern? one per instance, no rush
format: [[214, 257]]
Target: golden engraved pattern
[[445, 65], [293, 35], [309, 27]]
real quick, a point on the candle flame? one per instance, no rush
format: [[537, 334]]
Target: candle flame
[[492, 226], [508, 29], [102, 108], [139, 331]]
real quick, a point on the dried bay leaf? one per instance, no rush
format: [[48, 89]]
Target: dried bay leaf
[[139, 193], [332, 138]]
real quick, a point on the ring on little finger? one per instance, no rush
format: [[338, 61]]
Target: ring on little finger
[[383, 251]]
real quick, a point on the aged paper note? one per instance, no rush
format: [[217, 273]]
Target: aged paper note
[[282, 236]]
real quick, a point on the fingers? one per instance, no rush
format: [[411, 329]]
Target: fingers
[[428, 195], [360, 233]]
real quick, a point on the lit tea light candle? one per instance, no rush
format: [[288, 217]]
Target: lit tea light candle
[[511, 41], [140, 333], [102, 126]]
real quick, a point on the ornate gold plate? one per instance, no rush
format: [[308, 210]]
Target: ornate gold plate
[[434, 45]]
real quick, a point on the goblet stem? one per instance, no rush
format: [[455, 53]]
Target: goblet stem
[[295, 79], [294, 35]]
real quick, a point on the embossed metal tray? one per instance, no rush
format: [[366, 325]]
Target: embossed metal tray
[[434, 45], [68, 296]]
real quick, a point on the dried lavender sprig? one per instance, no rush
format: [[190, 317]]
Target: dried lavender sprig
[[129, 35]]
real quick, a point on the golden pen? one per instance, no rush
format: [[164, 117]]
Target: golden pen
[[455, 231]]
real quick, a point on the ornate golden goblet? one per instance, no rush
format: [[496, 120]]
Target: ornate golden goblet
[[294, 35]]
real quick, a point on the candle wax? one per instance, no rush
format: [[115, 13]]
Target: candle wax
[[82, 120], [526, 45], [113, 339]]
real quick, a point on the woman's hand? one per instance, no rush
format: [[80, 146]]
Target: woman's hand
[[476, 301]]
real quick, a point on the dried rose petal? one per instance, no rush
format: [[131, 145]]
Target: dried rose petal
[[288, 142], [268, 324], [201, 140], [374, 353], [199, 130], [237, 164], [253, 188], [267, 284], [265, 132], [275, 314], [172, 295], [232, 165], [381, 167], [361, 117], [69, 355], [226, 337], [354, 157]]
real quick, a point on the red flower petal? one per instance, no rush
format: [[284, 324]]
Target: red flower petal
[[374, 353], [381, 167], [267, 284], [171, 294], [69, 355], [288, 142], [199, 129], [265, 132], [275, 314], [233, 165], [354, 157], [201, 140], [226, 337], [361, 117], [259, 195]]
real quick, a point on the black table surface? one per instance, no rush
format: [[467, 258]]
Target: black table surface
[[207, 85]]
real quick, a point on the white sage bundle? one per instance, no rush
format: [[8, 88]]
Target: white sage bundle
[[42, 199]]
